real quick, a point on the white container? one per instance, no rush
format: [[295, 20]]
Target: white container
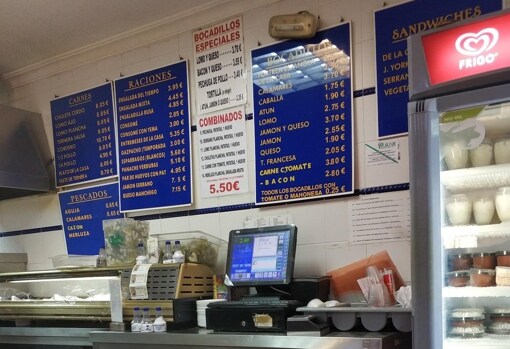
[[482, 155], [201, 307], [455, 155], [483, 209], [458, 208], [503, 276], [503, 204], [502, 151]]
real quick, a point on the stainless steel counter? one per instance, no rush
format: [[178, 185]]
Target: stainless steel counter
[[45, 336], [205, 339]]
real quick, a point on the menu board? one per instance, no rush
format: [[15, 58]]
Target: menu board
[[303, 117], [83, 212], [84, 136], [153, 127], [392, 27], [220, 77]]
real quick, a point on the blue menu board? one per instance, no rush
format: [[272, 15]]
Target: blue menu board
[[392, 27], [153, 128], [83, 212], [303, 117], [84, 136]]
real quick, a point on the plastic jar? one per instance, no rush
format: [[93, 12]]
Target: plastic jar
[[483, 154], [484, 260], [503, 276], [466, 323], [458, 208], [482, 277], [502, 150], [458, 278], [462, 261], [503, 204], [503, 258], [483, 209], [455, 155], [499, 321]]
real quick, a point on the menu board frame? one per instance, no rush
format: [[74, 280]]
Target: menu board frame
[[69, 132], [166, 121], [330, 173]]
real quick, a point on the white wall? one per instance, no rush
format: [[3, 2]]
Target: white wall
[[323, 242]]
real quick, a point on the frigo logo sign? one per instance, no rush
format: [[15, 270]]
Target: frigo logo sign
[[477, 47], [468, 50]]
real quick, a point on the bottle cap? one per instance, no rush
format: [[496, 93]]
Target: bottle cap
[[177, 242], [145, 309], [136, 308], [158, 308], [167, 242]]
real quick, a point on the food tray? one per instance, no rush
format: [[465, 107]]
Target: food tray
[[374, 319]]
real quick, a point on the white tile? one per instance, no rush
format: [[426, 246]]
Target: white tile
[[357, 66], [154, 226], [207, 223], [368, 62], [370, 118], [11, 244], [341, 254], [336, 218], [231, 220], [311, 222], [40, 247], [310, 260], [48, 211], [175, 225], [360, 180]]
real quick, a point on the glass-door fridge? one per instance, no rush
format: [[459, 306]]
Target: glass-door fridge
[[459, 136]]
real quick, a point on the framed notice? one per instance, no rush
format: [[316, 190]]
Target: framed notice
[[303, 117], [154, 139], [392, 27], [220, 75], [83, 212], [222, 139], [84, 136]]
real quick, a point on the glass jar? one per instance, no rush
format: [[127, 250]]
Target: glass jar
[[461, 261], [482, 277], [458, 278], [483, 154], [483, 209], [503, 258], [455, 155], [502, 150], [484, 260], [503, 204], [458, 208]]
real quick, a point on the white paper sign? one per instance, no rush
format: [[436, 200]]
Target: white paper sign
[[222, 139], [220, 75], [380, 217]]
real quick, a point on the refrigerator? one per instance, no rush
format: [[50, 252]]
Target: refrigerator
[[459, 136]]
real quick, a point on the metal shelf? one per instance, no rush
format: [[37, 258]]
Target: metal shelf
[[488, 341], [472, 292], [465, 236]]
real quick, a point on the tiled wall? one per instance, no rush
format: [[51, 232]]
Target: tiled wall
[[323, 242]]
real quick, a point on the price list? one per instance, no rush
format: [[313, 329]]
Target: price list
[[303, 118], [83, 212], [84, 136], [154, 139]]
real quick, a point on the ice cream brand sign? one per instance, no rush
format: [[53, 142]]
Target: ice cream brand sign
[[468, 50]]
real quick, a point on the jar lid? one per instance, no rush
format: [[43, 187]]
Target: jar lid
[[471, 313], [462, 255], [503, 253], [483, 271], [500, 312], [458, 273], [483, 254]]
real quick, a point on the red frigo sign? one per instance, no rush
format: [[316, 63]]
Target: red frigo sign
[[468, 50]]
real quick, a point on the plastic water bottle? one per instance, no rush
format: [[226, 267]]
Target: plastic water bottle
[[141, 255], [146, 325], [159, 322], [178, 256], [168, 255], [136, 324]]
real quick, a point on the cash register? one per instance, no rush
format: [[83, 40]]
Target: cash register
[[260, 258]]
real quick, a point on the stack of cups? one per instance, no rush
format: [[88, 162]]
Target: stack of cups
[[201, 307]]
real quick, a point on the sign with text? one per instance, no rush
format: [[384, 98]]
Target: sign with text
[[83, 212], [220, 75], [303, 117], [468, 50], [392, 27], [154, 139], [222, 138], [84, 136]]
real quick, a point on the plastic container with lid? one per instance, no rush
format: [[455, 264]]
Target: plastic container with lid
[[458, 208], [499, 321], [502, 202], [461, 261], [484, 260], [483, 209], [456, 155], [458, 278], [483, 154], [503, 276], [503, 258], [466, 323], [502, 150], [482, 277]]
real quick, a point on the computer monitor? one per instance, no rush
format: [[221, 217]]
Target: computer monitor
[[261, 256]]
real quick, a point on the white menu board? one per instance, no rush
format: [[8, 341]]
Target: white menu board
[[220, 75], [222, 139]]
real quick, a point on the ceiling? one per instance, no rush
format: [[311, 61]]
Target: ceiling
[[32, 31]]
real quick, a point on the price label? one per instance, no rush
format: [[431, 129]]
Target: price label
[[225, 187]]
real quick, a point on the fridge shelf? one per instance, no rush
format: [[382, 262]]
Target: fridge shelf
[[488, 341], [471, 292], [476, 178], [465, 236]]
